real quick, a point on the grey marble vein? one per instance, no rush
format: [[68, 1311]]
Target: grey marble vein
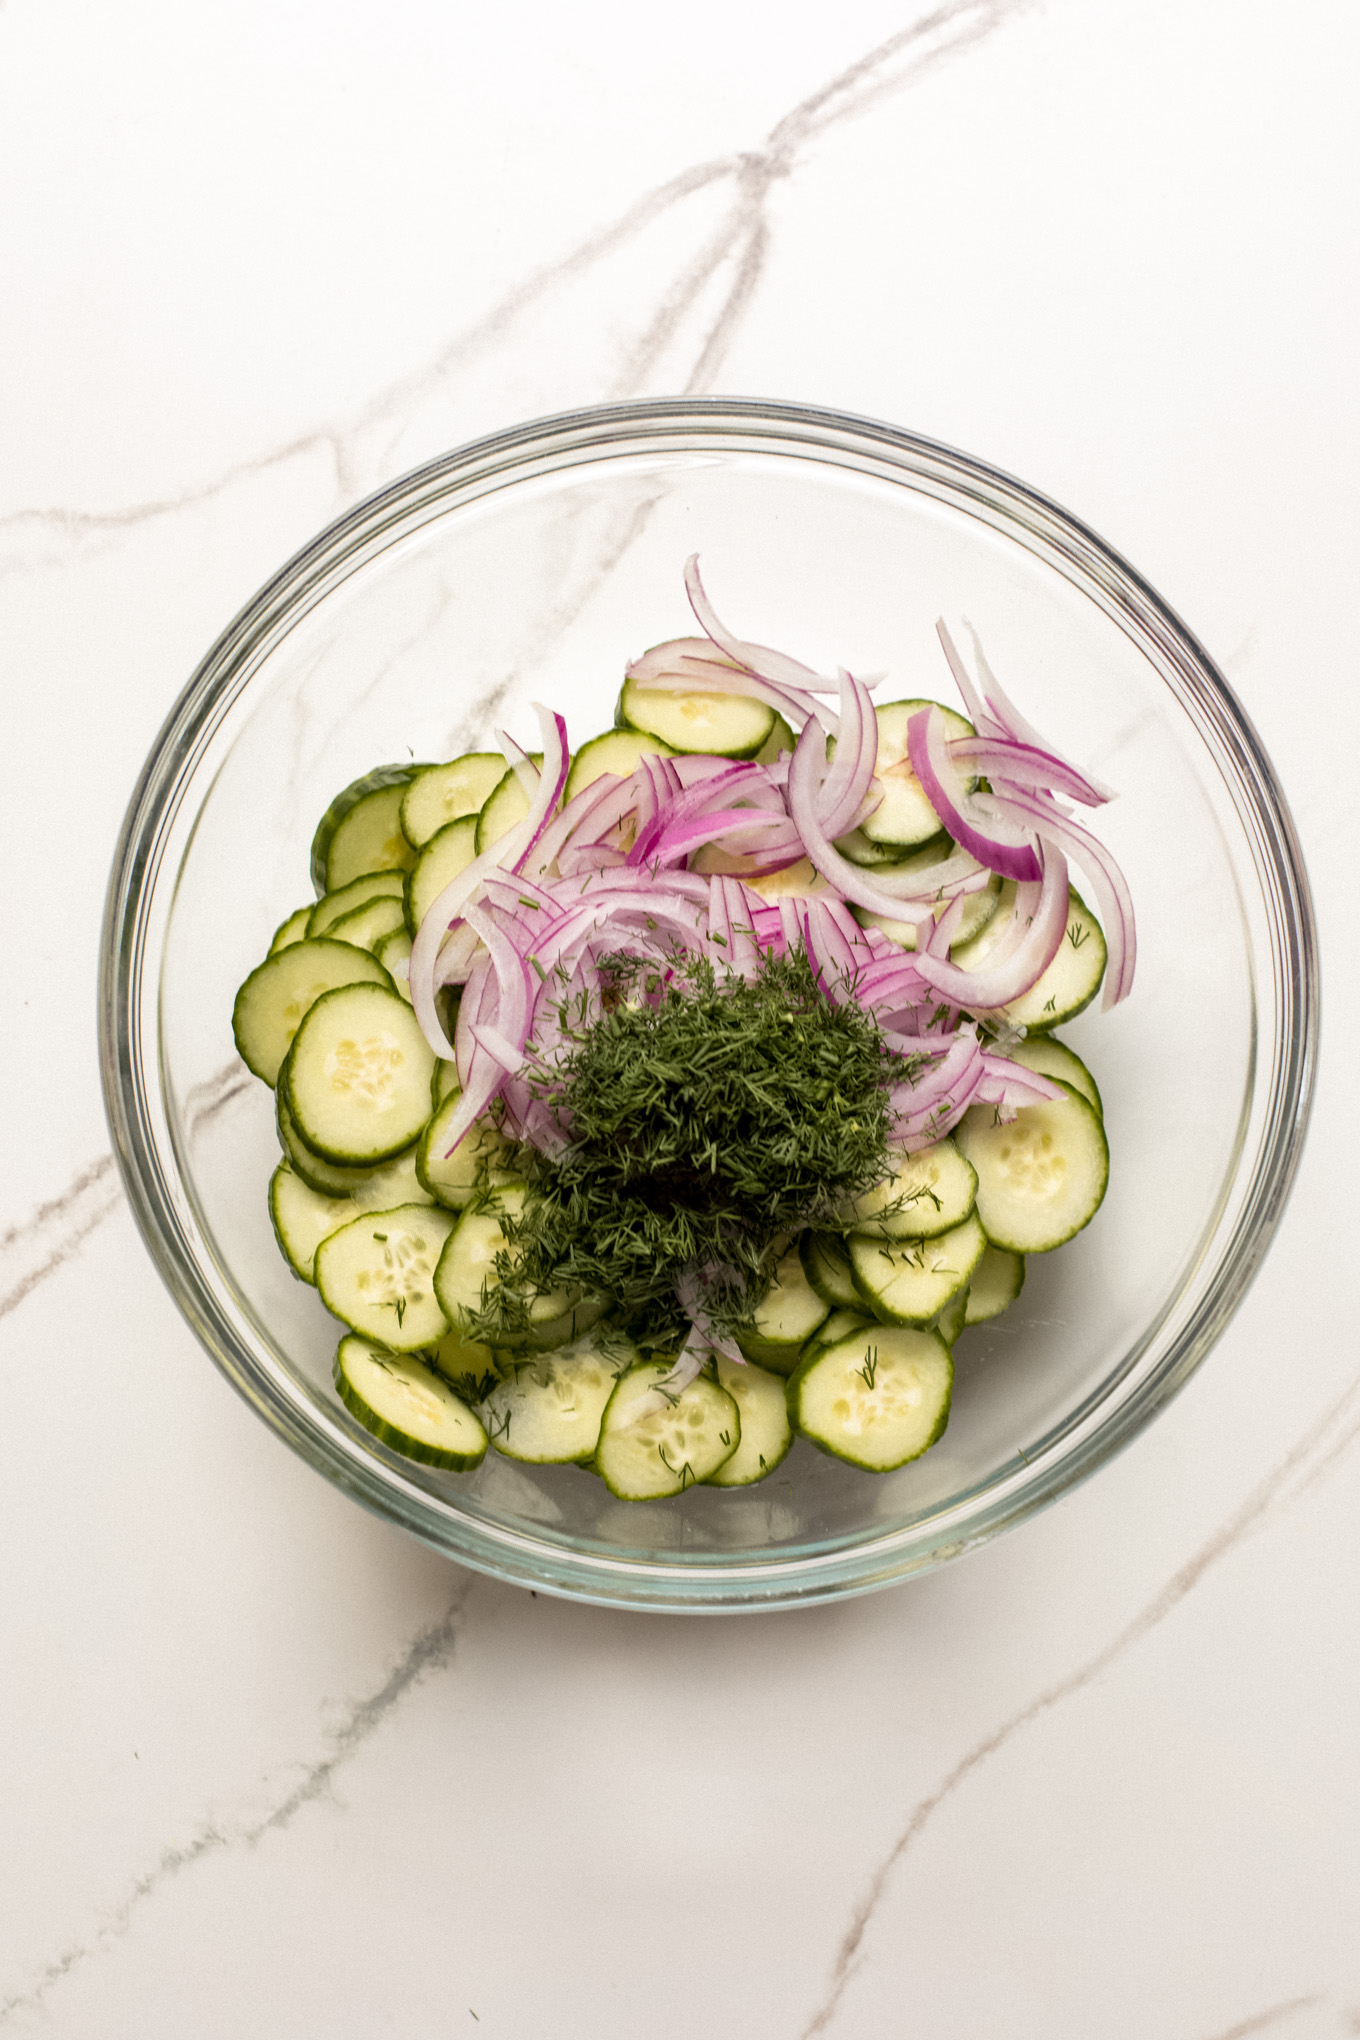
[[44, 1242], [431, 1651], [357, 447], [1261, 2022], [1280, 1489]]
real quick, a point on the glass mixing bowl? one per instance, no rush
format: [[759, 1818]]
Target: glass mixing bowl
[[529, 567]]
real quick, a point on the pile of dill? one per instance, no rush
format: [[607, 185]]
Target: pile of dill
[[708, 1118]]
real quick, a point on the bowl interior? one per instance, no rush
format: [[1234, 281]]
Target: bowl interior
[[529, 571]]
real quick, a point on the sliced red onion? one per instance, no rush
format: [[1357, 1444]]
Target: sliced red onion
[[874, 891], [1110, 886], [1038, 924], [846, 786], [997, 758], [511, 852], [971, 820]]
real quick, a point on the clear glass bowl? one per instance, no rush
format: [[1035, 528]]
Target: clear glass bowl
[[528, 567]]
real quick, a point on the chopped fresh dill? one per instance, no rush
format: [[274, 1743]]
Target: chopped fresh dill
[[705, 1119]]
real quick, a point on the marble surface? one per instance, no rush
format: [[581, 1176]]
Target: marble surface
[[269, 1766]]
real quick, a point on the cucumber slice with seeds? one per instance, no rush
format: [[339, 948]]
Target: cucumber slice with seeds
[[641, 1458], [274, 1000], [548, 1409], [827, 1267], [407, 1406], [361, 830], [303, 1218], [724, 725], [482, 1156], [766, 1433], [1042, 1177], [357, 1081], [373, 885], [928, 1192], [444, 793], [447, 854], [467, 1273], [909, 1282], [785, 1318], [377, 1274], [995, 1283], [877, 1398]]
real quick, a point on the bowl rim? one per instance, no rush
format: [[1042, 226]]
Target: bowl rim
[[548, 445]]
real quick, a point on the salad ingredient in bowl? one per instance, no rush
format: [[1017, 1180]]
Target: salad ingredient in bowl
[[644, 1108]]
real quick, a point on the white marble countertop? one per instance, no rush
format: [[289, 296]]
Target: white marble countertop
[[269, 1766]]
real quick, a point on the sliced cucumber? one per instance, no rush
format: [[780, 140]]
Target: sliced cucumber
[[336, 1179], [376, 1274], [470, 1368], [1041, 1178], [766, 1433], [482, 1156], [505, 808], [373, 885], [877, 1398], [361, 829], [724, 725], [842, 1324], [616, 751], [1050, 1058], [904, 817], [643, 1457], [827, 1267], [280, 992], [780, 739], [909, 1282], [953, 1317], [1073, 978], [290, 931], [303, 1218], [444, 1082], [785, 1318], [407, 1406], [927, 1193], [978, 908], [357, 1081], [448, 853], [467, 1274], [548, 1409], [366, 926], [995, 1283], [394, 954], [443, 793]]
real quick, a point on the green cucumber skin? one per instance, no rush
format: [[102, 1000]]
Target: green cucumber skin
[[397, 1441], [366, 968], [1012, 1245], [823, 1256], [794, 1393], [371, 782], [622, 721]]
